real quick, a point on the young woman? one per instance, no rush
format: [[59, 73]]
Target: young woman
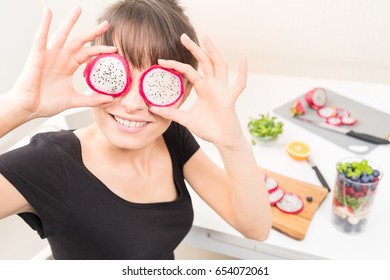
[[116, 189]]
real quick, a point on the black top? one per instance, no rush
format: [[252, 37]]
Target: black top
[[81, 217]]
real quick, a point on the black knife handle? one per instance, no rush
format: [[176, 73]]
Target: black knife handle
[[322, 179], [368, 138]]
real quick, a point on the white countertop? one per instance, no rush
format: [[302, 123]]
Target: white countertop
[[265, 93]]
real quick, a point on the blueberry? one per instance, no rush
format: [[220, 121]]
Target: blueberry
[[309, 198], [355, 178], [365, 179], [371, 177], [363, 174], [376, 173], [341, 178], [357, 188]]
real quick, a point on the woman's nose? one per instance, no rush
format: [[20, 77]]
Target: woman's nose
[[132, 100]]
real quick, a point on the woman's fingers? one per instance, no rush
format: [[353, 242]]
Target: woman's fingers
[[205, 62], [241, 79], [61, 34], [78, 42], [185, 69], [81, 100], [40, 39], [220, 67], [86, 53], [173, 114]]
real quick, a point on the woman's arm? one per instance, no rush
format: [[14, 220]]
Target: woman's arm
[[45, 88], [238, 192]]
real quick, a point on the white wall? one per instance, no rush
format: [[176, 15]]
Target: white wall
[[18, 20], [348, 39]]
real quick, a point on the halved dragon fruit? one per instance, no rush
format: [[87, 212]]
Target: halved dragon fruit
[[276, 196], [161, 86], [108, 74], [290, 203], [271, 184], [316, 98], [341, 112], [348, 120], [327, 112], [297, 108], [334, 121]]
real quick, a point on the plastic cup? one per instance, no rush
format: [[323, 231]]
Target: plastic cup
[[353, 198]]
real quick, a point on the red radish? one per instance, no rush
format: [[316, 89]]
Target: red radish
[[291, 203], [334, 121], [348, 120], [161, 86], [276, 196], [297, 109], [326, 112], [108, 74], [271, 184], [316, 98]]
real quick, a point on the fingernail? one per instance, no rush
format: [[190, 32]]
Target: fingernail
[[205, 37], [76, 7], [185, 37], [104, 23]]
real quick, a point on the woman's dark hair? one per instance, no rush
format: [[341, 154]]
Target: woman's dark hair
[[146, 30]]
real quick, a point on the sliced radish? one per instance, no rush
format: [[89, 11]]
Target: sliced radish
[[316, 98], [290, 203], [271, 184], [276, 196], [341, 112], [348, 120], [327, 112], [334, 121]]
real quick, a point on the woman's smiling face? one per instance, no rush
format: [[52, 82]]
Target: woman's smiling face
[[127, 122], [141, 39]]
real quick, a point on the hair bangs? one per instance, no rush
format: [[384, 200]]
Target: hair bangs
[[142, 45], [145, 31]]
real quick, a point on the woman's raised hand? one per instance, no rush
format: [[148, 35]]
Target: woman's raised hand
[[45, 86], [212, 117]]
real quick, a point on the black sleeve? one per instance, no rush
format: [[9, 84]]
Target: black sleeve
[[190, 145], [184, 142], [37, 172]]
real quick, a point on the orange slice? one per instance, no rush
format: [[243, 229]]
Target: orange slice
[[298, 150]]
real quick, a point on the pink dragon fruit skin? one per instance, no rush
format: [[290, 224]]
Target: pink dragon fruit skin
[[108, 74], [161, 87]]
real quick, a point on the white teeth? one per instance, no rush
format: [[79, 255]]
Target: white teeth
[[129, 123]]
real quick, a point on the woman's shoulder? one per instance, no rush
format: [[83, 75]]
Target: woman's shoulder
[[57, 140], [177, 129], [55, 137], [180, 139]]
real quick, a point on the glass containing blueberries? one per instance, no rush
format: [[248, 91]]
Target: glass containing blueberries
[[355, 188]]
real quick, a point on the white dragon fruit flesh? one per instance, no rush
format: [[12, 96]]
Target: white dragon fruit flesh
[[161, 87], [108, 74]]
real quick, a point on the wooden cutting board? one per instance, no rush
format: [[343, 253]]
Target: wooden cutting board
[[296, 225]]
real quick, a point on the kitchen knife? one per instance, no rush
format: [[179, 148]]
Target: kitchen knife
[[342, 130], [319, 175]]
